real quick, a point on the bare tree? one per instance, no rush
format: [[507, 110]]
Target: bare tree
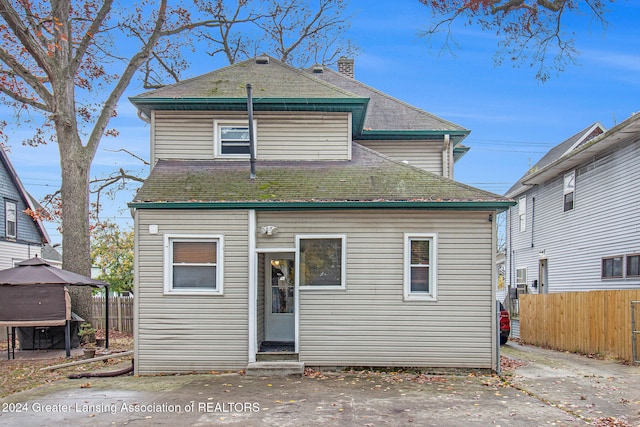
[[64, 65], [529, 31], [298, 32]]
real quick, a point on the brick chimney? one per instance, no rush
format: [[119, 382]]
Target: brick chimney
[[345, 66]]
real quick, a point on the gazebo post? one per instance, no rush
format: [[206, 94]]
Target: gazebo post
[[67, 337], [106, 318]]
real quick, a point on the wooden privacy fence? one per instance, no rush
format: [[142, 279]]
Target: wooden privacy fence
[[120, 313], [597, 322]]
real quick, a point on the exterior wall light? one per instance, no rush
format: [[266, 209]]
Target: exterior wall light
[[269, 230]]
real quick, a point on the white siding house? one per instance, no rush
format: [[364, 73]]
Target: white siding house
[[576, 224], [335, 252]]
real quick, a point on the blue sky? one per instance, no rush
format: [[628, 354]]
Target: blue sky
[[513, 118]]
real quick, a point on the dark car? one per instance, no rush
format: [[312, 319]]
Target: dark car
[[505, 325]]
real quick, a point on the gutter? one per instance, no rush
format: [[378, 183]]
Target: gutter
[[315, 205]]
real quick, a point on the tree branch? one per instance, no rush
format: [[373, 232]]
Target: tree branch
[[89, 35], [13, 20], [134, 64]]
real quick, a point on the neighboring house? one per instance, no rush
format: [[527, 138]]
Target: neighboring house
[[21, 237], [340, 254], [575, 227]]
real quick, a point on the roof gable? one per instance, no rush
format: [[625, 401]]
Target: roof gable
[[22, 193], [560, 150], [626, 132]]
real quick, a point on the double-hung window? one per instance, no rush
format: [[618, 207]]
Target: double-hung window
[[321, 261], [11, 223], [232, 139], [569, 189], [522, 213], [420, 271], [193, 264]]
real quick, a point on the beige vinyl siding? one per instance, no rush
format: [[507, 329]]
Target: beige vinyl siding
[[369, 323], [182, 135], [425, 155], [183, 333]]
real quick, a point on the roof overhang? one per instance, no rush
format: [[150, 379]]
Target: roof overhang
[[333, 205], [626, 131], [412, 135], [356, 106]]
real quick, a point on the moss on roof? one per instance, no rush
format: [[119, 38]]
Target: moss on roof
[[274, 79], [368, 177]]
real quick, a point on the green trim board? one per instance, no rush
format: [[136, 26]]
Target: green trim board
[[424, 205], [356, 106]]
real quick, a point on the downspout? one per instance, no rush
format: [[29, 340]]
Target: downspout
[[533, 217], [252, 143], [446, 166]]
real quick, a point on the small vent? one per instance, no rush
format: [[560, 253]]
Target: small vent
[[318, 69], [262, 60]]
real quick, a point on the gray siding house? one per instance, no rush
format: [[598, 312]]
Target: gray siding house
[[575, 227], [21, 237], [333, 251]]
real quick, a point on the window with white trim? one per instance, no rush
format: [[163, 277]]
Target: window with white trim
[[11, 223], [612, 267], [321, 261], [232, 138], [420, 271], [569, 188], [522, 213], [193, 264]]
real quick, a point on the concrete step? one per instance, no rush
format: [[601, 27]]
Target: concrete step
[[275, 369], [276, 356]]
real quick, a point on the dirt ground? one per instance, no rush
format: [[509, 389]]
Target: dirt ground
[[24, 372]]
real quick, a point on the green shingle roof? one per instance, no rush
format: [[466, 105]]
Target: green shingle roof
[[368, 178]]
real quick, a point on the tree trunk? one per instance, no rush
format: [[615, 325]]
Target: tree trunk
[[75, 164]]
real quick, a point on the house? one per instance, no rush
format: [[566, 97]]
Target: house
[[321, 246], [21, 236], [575, 227]]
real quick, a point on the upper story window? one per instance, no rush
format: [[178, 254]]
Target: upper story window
[[522, 213], [420, 266], [232, 139], [11, 223], [321, 261], [193, 264], [569, 190]]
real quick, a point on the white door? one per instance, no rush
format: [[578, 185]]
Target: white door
[[279, 315]]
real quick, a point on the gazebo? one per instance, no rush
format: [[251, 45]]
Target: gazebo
[[35, 294]]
